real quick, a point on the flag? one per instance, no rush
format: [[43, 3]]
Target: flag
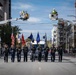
[[23, 40], [13, 39], [38, 38], [18, 38], [45, 37], [31, 37]]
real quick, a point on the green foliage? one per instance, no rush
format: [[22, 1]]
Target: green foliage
[[5, 33]]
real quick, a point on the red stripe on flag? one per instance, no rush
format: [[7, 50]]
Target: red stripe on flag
[[13, 39], [23, 40]]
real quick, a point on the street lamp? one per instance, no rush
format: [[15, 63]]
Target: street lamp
[[23, 16], [53, 15]]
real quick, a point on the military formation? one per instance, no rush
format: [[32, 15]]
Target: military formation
[[42, 53]]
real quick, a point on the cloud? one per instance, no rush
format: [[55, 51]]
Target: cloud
[[34, 31], [34, 20], [31, 20], [21, 6]]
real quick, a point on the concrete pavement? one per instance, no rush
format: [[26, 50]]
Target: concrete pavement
[[71, 59], [38, 68], [65, 57], [66, 67]]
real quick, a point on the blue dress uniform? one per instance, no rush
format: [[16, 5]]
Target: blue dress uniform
[[60, 53], [19, 54], [46, 50], [33, 49], [53, 50], [6, 52], [25, 53], [39, 53], [12, 54]]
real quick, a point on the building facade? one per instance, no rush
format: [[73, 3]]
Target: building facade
[[55, 36], [61, 33], [64, 34], [5, 9], [71, 35], [5, 13]]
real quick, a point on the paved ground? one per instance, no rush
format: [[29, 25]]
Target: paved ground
[[66, 67]]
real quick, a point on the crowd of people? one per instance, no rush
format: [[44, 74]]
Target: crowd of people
[[40, 50]]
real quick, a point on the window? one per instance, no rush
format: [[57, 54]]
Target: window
[[1, 5], [75, 33], [54, 31], [54, 39], [74, 27], [54, 35]]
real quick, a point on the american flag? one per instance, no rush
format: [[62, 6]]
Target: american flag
[[18, 38], [13, 39], [23, 40]]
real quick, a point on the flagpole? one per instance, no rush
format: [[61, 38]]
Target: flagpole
[[14, 36], [38, 38], [12, 29], [45, 39]]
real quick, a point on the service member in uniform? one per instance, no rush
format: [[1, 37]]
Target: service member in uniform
[[46, 50], [6, 52], [25, 53], [12, 53], [18, 54], [60, 53], [39, 53], [33, 49], [53, 50]]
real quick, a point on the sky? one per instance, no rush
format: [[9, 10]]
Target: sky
[[39, 11]]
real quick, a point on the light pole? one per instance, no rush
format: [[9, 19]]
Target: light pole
[[53, 15], [23, 16], [0, 46]]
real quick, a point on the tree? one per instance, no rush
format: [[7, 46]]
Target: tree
[[16, 30], [5, 33]]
